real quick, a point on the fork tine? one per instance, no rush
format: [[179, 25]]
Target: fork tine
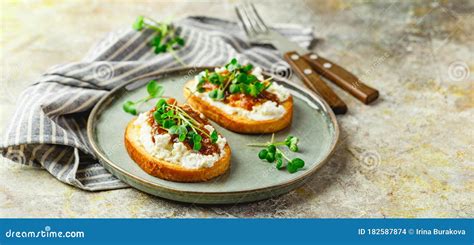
[[248, 20], [243, 20], [257, 17], [247, 11]]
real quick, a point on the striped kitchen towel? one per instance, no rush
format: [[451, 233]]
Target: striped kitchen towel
[[48, 129]]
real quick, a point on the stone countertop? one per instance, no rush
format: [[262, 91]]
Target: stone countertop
[[408, 155]]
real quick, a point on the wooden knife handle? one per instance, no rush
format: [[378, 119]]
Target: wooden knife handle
[[314, 81], [342, 78]]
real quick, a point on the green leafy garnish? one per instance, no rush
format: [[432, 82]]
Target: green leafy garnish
[[294, 165], [139, 23], [172, 118], [166, 39], [180, 130], [214, 136], [236, 79], [154, 90], [197, 142], [178, 122], [271, 153], [130, 107], [292, 143]]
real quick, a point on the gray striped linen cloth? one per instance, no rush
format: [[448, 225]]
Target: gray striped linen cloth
[[48, 128]]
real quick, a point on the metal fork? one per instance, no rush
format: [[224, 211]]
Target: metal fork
[[258, 32], [252, 23]]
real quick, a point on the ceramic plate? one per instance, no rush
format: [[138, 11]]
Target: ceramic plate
[[249, 178]]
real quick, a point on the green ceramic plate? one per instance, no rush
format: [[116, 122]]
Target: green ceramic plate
[[249, 178]]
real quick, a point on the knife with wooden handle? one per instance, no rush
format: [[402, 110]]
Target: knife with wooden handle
[[291, 52], [313, 81], [333, 72], [342, 78]]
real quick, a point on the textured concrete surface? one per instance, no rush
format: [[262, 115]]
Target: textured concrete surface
[[408, 155]]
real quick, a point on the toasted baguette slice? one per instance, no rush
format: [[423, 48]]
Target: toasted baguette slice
[[166, 170], [236, 123]]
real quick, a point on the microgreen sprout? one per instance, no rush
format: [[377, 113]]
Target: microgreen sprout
[[271, 153], [236, 78], [173, 118], [154, 90], [178, 122], [165, 39]]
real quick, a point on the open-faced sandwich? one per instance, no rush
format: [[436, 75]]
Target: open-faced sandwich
[[239, 98], [174, 142]]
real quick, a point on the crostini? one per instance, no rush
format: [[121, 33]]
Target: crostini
[[240, 99], [175, 142]]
